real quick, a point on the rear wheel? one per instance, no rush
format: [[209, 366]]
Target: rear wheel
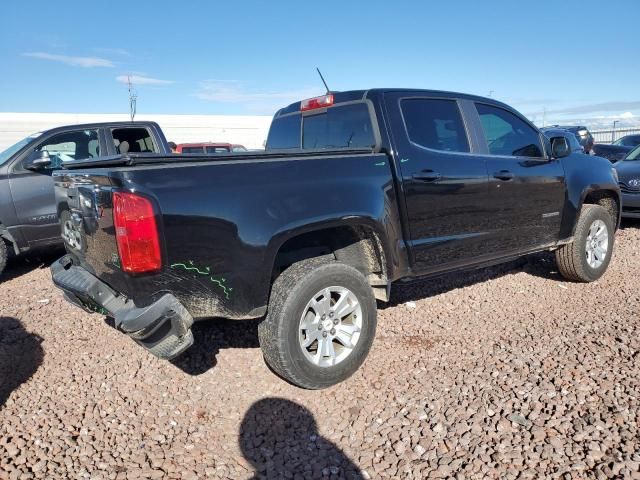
[[587, 258], [320, 325]]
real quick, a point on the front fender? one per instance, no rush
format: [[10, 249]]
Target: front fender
[[586, 175]]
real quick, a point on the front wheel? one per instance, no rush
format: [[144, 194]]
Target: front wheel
[[320, 325], [4, 255], [587, 258]]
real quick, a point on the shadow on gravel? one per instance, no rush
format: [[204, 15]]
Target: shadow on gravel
[[211, 336], [280, 439], [539, 264], [23, 264], [20, 356]]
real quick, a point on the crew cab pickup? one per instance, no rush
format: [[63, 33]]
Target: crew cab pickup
[[28, 217], [356, 191]]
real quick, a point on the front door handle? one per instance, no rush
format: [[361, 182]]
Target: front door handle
[[503, 175], [427, 176]]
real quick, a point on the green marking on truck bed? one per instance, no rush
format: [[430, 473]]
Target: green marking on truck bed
[[380, 164], [190, 267]]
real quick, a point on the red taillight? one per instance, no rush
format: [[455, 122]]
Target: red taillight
[[136, 233], [317, 102]]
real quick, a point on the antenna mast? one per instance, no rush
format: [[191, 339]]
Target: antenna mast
[[322, 78], [133, 98]]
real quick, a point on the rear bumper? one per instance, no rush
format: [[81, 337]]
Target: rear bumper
[[163, 328]]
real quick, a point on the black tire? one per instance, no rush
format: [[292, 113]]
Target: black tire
[[279, 333], [571, 259], [4, 255]]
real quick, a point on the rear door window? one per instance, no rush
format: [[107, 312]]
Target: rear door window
[[507, 134], [133, 140], [435, 124]]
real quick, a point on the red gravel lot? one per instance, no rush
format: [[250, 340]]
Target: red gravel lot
[[506, 372]]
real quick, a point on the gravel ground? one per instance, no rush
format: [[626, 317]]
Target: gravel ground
[[507, 372]]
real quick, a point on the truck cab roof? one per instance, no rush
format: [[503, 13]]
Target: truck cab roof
[[355, 95], [89, 126]]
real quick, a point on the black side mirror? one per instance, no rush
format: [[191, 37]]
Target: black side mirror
[[37, 160], [560, 147]]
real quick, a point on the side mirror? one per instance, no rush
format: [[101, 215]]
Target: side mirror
[[560, 147], [37, 160]]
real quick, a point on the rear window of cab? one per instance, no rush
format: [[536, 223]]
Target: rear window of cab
[[340, 126]]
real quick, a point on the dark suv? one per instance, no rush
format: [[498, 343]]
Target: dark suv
[[582, 134]]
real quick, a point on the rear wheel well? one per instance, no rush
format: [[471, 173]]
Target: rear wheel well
[[357, 246], [606, 199]]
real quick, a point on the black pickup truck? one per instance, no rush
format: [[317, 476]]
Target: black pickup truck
[[357, 190], [28, 218]]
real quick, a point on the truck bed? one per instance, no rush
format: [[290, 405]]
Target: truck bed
[[221, 218]]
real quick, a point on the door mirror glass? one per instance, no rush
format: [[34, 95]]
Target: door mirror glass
[[560, 147], [37, 160]]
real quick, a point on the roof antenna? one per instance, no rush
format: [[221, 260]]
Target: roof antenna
[[322, 78]]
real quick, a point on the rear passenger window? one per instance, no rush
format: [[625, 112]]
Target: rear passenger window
[[435, 124], [508, 134], [133, 140]]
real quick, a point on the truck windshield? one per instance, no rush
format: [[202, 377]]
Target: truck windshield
[[9, 152], [341, 126]]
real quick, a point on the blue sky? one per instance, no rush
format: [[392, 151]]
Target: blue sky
[[576, 60]]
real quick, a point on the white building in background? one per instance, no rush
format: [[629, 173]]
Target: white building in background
[[250, 131]]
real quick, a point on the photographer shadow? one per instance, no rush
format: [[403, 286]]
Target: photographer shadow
[[20, 356], [280, 439]]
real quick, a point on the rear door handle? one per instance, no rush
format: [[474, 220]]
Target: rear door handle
[[427, 176], [503, 175]]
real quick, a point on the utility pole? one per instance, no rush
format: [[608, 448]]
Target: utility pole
[[490, 93], [613, 132], [133, 98], [544, 117]]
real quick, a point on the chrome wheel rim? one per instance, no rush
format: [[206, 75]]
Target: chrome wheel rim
[[597, 244], [72, 235], [330, 326]]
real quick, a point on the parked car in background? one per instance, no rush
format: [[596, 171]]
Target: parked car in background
[[618, 149], [209, 148], [28, 215], [582, 134], [574, 144], [629, 179], [355, 191], [628, 141]]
